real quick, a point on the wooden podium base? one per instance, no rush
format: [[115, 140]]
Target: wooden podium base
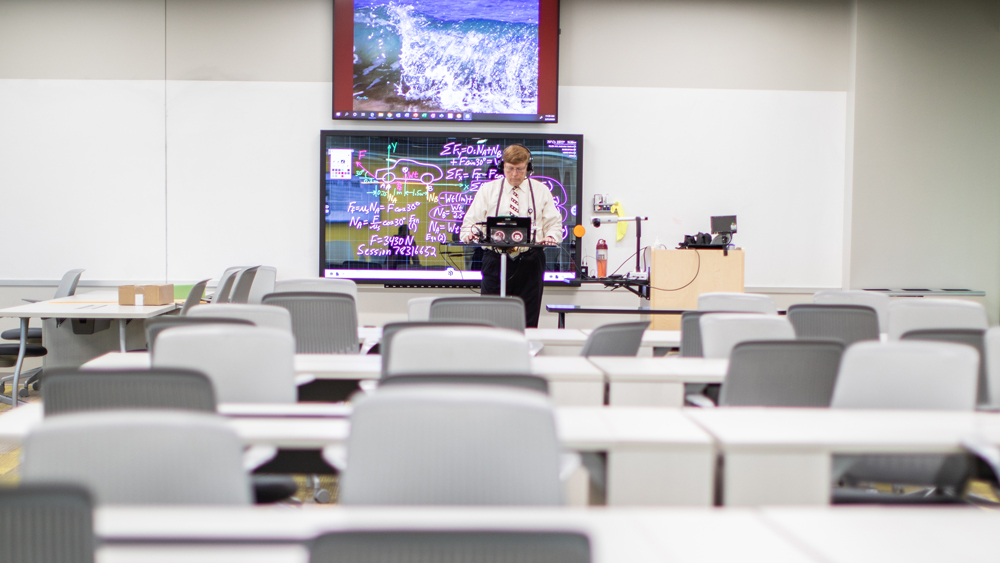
[[690, 272]]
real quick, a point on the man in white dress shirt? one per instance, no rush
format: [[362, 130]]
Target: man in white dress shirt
[[516, 194]]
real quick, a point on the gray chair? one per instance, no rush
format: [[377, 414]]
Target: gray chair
[[873, 299], [919, 313], [691, 334], [263, 283], [71, 390], [319, 285], [419, 308], [476, 546], [246, 364], [33, 338], [448, 354], [140, 457], [154, 326], [322, 322], [721, 331], [194, 297], [619, 339], [782, 373], [389, 331], [737, 302], [904, 375], [846, 323], [225, 287], [270, 316], [991, 347], [504, 312], [452, 445], [243, 284], [46, 524], [969, 336]]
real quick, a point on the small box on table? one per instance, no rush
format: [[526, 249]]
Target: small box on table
[[154, 294]]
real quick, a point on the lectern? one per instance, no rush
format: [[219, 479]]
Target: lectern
[[678, 277]]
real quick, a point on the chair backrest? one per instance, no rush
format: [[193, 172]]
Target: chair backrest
[[156, 325], [400, 546], [194, 297], [246, 364], [452, 445], [465, 350], [419, 308], [225, 286], [873, 299], [389, 331], [318, 285], [917, 313], [737, 303], [68, 283], [782, 373], [270, 316], [140, 457], [322, 322], [991, 356], [721, 331], [618, 339], [846, 323], [504, 312], [241, 288], [72, 390], [969, 336], [46, 523], [263, 283], [907, 375]]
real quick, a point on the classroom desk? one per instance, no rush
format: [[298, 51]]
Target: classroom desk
[[569, 342], [655, 457], [783, 456], [852, 534], [94, 305], [573, 381], [656, 381], [616, 535]]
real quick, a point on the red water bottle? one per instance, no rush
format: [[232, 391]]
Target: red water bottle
[[602, 259]]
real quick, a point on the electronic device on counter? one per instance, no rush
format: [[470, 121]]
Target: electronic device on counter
[[508, 230], [723, 226]]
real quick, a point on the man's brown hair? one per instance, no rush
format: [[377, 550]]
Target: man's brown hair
[[516, 154]]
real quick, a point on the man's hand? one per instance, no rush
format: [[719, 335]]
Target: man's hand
[[467, 237], [548, 241]]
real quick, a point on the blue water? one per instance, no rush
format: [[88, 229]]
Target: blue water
[[512, 11], [404, 56]]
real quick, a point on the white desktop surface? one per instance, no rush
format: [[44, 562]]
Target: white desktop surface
[[847, 534], [645, 381], [573, 381], [616, 535], [556, 336], [652, 338], [783, 456], [286, 553], [95, 305]]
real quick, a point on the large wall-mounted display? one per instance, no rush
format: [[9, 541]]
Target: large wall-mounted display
[[390, 203], [441, 60]]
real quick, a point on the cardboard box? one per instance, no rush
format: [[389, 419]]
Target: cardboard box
[[126, 294], [158, 294], [155, 294]]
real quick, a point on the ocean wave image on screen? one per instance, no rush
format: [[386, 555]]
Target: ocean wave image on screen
[[420, 55]]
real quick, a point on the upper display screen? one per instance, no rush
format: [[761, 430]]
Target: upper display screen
[[441, 60]]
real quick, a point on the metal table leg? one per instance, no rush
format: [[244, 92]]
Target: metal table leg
[[503, 274], [20, 360], [562, 320], [121, 334]]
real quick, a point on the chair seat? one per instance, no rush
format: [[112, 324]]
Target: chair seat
[[15, 334], [30, 350]]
